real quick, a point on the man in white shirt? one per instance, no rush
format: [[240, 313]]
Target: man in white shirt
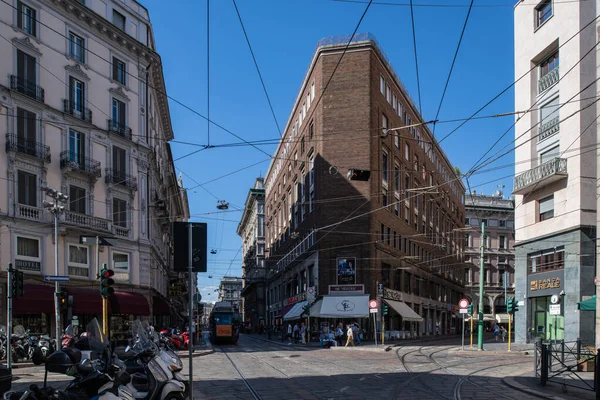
[[289, 333]]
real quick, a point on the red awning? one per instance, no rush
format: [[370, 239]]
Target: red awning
[[36, 299], [160, 306], [86, 301], [129, 303], [284, 310]]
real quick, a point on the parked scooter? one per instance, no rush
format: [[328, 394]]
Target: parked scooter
[[19, 343], [69, 337], [45, 346], [2, 342]]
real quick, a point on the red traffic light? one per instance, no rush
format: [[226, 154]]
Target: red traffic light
[[106, 273]]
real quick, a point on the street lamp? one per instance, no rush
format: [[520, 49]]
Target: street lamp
[[56, 209], [386, 131]]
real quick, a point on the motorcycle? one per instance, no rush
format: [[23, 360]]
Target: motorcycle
[[2, 342], [69, 337], [45, 346], [176, 341], [19, 343]]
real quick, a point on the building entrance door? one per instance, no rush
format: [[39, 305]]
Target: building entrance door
[[540, 324]]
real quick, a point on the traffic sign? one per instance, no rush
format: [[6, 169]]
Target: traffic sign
[[463, 303], [373, 310], [373, 304], [554, 299], [554, 309], [462, 311], [56, 278], [91, 240]]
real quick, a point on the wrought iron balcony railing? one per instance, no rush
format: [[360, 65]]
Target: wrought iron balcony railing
[[87, 221], [77, 111], [35, 149], [120, 178], [548, 80], [26, 87], [549, 128], [119, 128], [548, 172], [69, 159]]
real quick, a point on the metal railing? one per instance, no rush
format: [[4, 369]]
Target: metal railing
[[28, 212], [119, 128], [20, 144], [549, 128], [121, 231], [28, 88], [80, 112], [541, 172], [88, 221], [84, 164], [548, 80], [120, 178]]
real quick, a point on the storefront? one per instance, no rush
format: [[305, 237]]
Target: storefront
[[545, 312], [331, 311], [125, 307], [35, 309], [161, 310]]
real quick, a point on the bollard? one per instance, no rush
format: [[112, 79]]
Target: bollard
[[578, 349], [597, 375], [544, 371], [549, 352], [562, 351], [538, 347]]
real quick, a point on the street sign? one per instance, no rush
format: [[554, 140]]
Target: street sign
[[463, 303], [56, 278], [554, 309], [554, 299], [373, 311], [373, 304], [463, 311]]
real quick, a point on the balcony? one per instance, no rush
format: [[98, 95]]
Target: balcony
[[121, 231], [29, 147], [120, 178], [549, 128], [119, 128], [28, 212], [80, 112], [548, 80], [549, 172], [87, 221], [26, 87], [70, 160]]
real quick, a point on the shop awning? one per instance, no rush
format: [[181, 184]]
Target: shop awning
[[36, 299], [502, 318], [295, 311], [284, 310], [160, 307], [347, 306], [315, 309], [129, 303], [587, 305], [86, 301], [404, 311]]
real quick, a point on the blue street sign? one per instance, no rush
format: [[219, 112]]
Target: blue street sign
[[56, 278]]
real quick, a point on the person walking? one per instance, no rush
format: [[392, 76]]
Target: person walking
[[350, 335], [339, 335], [503, 333], [289, 333], [496, 332], [303, 333], [296, 332]]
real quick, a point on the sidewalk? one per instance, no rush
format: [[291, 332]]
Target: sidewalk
[[553, 391]]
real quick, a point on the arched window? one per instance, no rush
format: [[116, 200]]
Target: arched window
[[500, 304], [487, 309]]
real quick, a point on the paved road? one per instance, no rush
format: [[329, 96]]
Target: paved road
[[259, 369]]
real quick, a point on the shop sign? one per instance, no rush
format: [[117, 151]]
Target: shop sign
[[290, 300], [545, 283], [392, 294], [346, 271], [358, 289], [28, 265]]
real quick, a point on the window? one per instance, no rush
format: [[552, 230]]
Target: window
[[384, 124], [384, 166], [546, 208], [119, 164], [78, 261], [407, 214], [487, 274], [77, 147], [397, 205], [381, 84], [406, 151], [384, 198], [382, 233], [394, 102], [26, 19], [502, 242], [118, 70], [26, 131], [311, 130], [484, 221], [467, 221], [501, 259], [549, 64], [77, 199], [27, 189], [389, 236], [549, 119], [468, 240], [118, 20], [406, 187], [543, 12], [76, 47], [388, 94], [549, 155], [26, 73], [502, 277], [546, 260], [502, 223], [312, 91], [302, 145], [120, 212], [120, 265], [467, 277], [118, 113], [76, 96], [396, 178], [28, 248]]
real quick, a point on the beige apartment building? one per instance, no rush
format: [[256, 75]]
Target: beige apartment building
[[555, 183], [83, 110]]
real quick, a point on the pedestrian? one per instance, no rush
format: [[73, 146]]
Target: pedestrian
[[339, 334], [350, 339], [303, 333], [503, 333], [356, 333], [289, 333], [296, 332], [496, 332]]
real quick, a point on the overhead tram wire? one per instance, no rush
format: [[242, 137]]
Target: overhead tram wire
[[512, 84], [412, 19], [262, 82], [447, 5], [207, 73], [462, 33]]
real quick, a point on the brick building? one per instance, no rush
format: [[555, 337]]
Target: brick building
[[399, 228]]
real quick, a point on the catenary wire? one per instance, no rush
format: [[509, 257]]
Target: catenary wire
[[412, 19]]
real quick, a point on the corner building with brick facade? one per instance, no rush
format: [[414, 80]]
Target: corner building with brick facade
[[334, 243]]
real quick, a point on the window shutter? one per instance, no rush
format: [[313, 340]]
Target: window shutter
[[20, 124], [19, 14], [122, 115], [549, 110], [32, 190], [30, 122], [33, 22], [115, 69], [547, 204]]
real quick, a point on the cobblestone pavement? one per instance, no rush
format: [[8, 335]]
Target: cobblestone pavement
[[260, 369]]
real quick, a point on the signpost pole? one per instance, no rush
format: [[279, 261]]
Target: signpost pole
[[375, 328], [509, 329], [471, 331], [382, 330], [481, 285], [190, 312], [56, 284], [9, 316], [463, 334]]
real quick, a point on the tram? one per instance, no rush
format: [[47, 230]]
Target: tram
[[224, 323]]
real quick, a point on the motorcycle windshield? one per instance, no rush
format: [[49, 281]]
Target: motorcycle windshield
[[71, 330], [143, 341], [19, 330], [98, 342]]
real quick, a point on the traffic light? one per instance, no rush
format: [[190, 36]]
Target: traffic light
[[512, 305], [470, 309], [306, 309], [17, 284], [106, 281], [358, 174], [385, 309], [62, 300]]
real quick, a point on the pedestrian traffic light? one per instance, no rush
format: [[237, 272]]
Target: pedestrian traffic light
[[385, 309], [62, 300], [106, 281], [17, 284], [470, 309], [358, 174]]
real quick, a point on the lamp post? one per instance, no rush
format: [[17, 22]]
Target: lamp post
[[56, 209]]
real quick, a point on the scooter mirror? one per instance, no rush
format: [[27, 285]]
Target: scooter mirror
[[127, 349]]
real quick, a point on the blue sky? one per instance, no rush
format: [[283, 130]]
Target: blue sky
[[283, 35]]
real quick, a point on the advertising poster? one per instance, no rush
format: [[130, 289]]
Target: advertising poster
[[346, 271]]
